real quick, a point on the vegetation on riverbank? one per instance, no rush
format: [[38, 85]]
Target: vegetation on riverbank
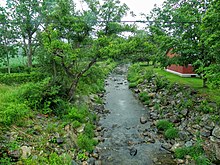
[[179, 112], [37, 120]]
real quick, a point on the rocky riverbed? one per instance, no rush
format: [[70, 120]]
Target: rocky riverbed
[[123, 133], [194, 116]]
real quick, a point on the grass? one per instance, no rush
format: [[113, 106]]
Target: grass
[[193, 82]]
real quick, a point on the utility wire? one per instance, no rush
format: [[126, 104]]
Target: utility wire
[[126, 21]]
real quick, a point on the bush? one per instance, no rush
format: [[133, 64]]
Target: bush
[[43, 96], [79, 114], [164, 125], [53, 159], [89, 130], [133, 85], [144, 96], [196, 152], [12, 112], [19, 78], [171, 133], [180, 153], [86, 143]]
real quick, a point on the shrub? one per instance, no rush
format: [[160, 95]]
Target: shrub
[[86, 143], [133, 85], [76, 124], [180, 153], [202, 160], [89, 130], [164, 125], [171, 133], [149, 74], [205, 107], [19, 78], [12, 112], [44, 96], [77, 114], [53, 159], [144, 96], [196, 152]]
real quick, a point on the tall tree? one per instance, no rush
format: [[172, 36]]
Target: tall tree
[[181, 20], [27, 19], [7, 41], [210, 36], [108, 14]]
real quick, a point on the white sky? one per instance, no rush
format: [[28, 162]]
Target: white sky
[[141, 6], [138, 6]]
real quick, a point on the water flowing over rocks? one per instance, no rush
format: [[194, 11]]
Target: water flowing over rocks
[[123, 133]]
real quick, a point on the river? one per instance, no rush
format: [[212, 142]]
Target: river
[[124, 142]]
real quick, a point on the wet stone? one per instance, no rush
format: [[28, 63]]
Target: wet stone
[[216, 132], [60, 140], [143, 120], [16, 154]]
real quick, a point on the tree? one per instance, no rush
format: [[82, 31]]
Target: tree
[[181, 21], [108, 15], [7, 41], [26, 15], [210, 36]]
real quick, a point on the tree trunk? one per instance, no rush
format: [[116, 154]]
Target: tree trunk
[[29, 53], [72, 89], [8, 63]]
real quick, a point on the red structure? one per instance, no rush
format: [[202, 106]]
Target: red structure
[[183, 71]]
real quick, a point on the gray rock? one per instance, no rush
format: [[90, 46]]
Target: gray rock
[[74, 162], [60, 140], [205, 132], [216, 132], [26, 151], [188, 144], [15, 154], [176, 145], [91, 161], [184, 112], [81, 128], [143, 120], [151, 95], [98, 162]]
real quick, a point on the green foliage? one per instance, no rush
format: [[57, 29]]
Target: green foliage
[[180, 153], [5, 160], [20, 78], [196, 152], [82, 155], [202, 160], [164, 125], [12, 112], [160, 82], [86, 143], [133, 85], [171, 133], [144, 97], [80, 114], [89, 130], [205, 107], [76, 124], [43, 96], [53, 159]]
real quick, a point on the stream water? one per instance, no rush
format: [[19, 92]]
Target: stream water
[[124, 143]]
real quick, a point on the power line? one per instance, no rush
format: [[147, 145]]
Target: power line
[[120, 21]]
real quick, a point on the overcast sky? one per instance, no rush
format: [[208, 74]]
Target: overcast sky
[[138, 6]]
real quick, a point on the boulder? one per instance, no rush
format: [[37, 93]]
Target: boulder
[[26, 151], [143, 120], [216, 132]]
